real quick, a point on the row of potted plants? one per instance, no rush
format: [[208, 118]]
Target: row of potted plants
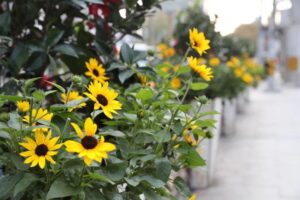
[[80, 119]]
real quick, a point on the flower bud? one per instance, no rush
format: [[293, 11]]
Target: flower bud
[[77, 80], [203, 99]]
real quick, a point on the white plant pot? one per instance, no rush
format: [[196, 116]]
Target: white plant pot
[[201, 177], [229, 116], [242, 101]]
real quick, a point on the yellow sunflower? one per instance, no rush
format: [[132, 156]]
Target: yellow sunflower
[[37, 116], [193, 197], [89, 147], [40, 149], [176, 68], [104, 98], [23, 106], [73, 95], [142, 78], [238, 72], [175, 83], [214, 61], [95, 70], [247, 78], [188, 135], [162, 47], [203, 71], [198, 41]]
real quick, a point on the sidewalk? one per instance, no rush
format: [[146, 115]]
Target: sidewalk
[[262, 161]]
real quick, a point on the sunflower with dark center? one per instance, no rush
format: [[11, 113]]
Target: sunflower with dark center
[[95, 70], [89, 147], [104, 98], [36, 116], [198, 41], [41, 149]]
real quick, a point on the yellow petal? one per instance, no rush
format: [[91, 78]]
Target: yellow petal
[[30, 159], [49, 158], [106, 146], [52, 153], [73, 146], [89, 127], [35, 162], [91, 154], [87, 161], [77, 130], [29, 145], [27, 153], [39, 137], [107, 113], [52, 143], [56, 147], [42, 162]]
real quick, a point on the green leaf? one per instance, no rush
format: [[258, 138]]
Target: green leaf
[[99, 177], [73, 164], [193, 159], [126, 74], [130, 3], [115, 171], [24, 183], [60, 188], [182, 187], [7, 183], [53, 37], [60, 88], [50, 92], [66, 49], [145, 94], [164, 168], [114, 133], [11, 97], [4, 135], [93, 194], [127, 53], [38, 95], [183, 70], [14, 121], [152, 180], [18, 161], [185, 107], [19, 56], [5, 20], [199, 86], [29, 83]]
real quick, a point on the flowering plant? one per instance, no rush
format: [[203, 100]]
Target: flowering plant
[[96, 140]]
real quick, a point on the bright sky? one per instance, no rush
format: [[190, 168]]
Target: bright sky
[[232, 13]]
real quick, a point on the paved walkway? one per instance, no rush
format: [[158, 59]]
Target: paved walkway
[[262, 161]]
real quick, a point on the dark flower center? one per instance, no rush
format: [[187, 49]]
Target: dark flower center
[[95, 72], [102, 99], [41, 150], [89, 142]]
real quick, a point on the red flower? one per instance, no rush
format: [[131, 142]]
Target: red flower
[[104, 9], [93, 9], [44, 82]]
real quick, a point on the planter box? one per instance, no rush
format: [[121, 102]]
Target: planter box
[[201, 177], [242, 101], [229, 116]]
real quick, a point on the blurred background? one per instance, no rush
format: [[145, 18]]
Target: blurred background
[[258, 154]]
